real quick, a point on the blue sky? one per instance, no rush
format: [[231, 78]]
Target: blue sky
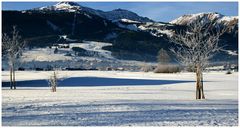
[[159, 11]]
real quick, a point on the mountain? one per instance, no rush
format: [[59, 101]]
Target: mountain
[[41, 29], [116, 14], [230, 22], [132, 37], [61, 6], [206, 17]]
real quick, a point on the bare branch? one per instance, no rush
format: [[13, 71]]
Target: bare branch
[[197, 44], [12, 47]]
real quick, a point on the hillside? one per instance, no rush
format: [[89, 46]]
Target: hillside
[[133, 37]]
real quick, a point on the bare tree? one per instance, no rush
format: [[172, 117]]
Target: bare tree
[[55, 77], [164, 65], [12, 47], [163, 57], [196, 46], [53, 81]]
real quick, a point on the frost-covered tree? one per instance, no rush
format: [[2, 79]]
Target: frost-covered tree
[[53, 81], [56, 77], [163, 57], [196, 45], [12, 47]]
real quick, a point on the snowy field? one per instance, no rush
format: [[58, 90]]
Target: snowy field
[[97, 98]]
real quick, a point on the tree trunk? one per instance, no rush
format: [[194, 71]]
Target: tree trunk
[[11, 80], [14, 82], [199, 84], [203, 96], [55, 82]]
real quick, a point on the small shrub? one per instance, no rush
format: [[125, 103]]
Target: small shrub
[[53, 82], [167, 69]]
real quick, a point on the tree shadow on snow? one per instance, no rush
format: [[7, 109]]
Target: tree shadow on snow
[[96, 81]]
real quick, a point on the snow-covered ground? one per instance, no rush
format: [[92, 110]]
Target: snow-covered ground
[[97, 98], [98, 58], [43, 54], [47, 54], [94, 46]]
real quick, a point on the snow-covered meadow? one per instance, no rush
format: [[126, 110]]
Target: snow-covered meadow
[[114, 98]]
